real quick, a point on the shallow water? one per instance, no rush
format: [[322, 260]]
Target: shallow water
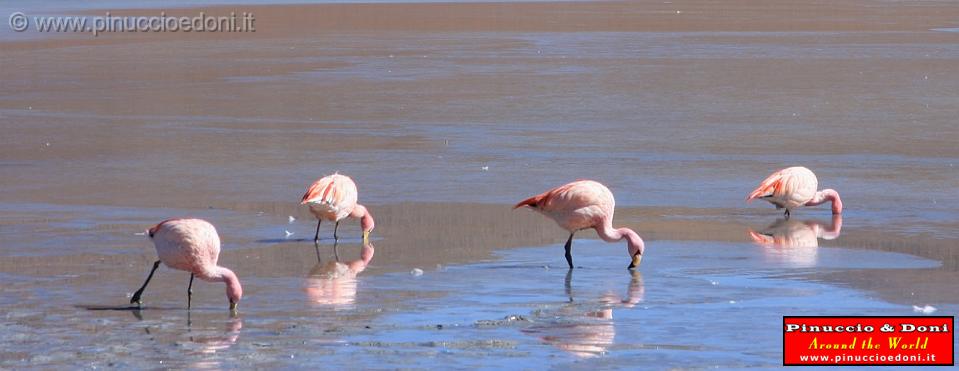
[[444, 127], [684, 308]]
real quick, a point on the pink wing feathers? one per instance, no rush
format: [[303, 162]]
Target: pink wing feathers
[[332, 197], [768, 187]]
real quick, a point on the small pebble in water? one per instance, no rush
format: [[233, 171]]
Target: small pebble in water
[[485, 168], [288, 233], [714, 283], [291, 220], [732, 302], [416, 272], [928, 309]]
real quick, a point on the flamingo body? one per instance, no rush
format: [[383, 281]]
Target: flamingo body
[[334, 198], [331, 198], [794, 187], [585, 204], [575, 206], [191, 245]]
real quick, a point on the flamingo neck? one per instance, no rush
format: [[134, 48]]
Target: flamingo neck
[[234, 291], [366, 219], [827, 195], [634, 243]]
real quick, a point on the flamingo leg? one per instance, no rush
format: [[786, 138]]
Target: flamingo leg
[[316, 237], [787, 213], [569, 255], [136, 295], [336, 255], [335, 237], [189, 292]]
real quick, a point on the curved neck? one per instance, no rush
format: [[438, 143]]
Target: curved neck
[[366, 219], [827, 195], [233, 289], [634, 243]]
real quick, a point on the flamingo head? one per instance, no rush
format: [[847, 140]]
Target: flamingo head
[[234, 291], [366, 221], [636, 247]]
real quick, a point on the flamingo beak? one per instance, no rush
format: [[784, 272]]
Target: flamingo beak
[[636, 260], [233, 308], [366, 237]]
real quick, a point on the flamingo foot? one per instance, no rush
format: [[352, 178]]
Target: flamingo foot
[[136, 296]]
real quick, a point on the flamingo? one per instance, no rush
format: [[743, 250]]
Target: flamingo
[[585, 204], [793, 187], [333, 198], [191, 245]]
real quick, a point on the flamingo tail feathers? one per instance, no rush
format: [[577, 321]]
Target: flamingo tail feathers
[[315, 191], [531, 202], [767, 188], [153, 230]]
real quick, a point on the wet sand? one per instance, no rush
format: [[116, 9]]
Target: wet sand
[[446, 114]]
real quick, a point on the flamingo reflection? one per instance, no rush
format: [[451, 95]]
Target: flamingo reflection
[[210, 344], [796, 242], [586, 333], [333, 283]]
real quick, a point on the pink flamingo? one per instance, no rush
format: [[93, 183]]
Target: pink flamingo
[[191, 245], [333, 198], [793, 187], [585, 204]]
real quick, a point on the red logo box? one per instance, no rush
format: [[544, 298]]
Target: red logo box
[[868, 341]]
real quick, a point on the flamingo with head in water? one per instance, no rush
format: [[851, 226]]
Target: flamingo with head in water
[[795, 187], [191, 245], [333, 198], [585, 204]]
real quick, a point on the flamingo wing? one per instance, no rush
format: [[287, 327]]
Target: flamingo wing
[[788, 188], [771, 185], [572, 195], [333, 196]]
